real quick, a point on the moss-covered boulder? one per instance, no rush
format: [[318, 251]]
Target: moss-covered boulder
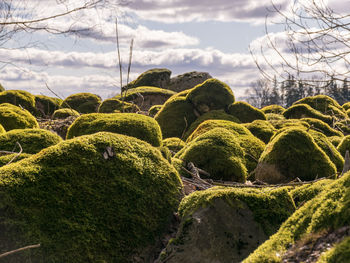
[[115, 105], [131, 124], [211, 115], [245, 112], [344, 145], [293, 153], [300, 111], [188, 80], [346, 106], [274, 116], [218, 152], [64, 113], [276, 109], [154, 110], [261, 129], [212, 94], [46, 106], [13, 117], [175, 117], [146, 96], [157, 77], [20, 98], [174, 144], [335, 140], [321, 126], [226, 224], [328, 211], [343, 126], [280, 124], [82, 102], [12, 158], [98, 198]]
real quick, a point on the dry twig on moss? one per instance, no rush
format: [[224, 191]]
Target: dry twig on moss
[[18, 250]]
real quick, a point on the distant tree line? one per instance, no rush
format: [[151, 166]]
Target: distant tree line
[[264, 92]]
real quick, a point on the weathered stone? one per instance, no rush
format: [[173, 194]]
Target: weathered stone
[[188, 80]]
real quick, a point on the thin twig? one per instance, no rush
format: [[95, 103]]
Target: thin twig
[[18, 250], [17, 154]]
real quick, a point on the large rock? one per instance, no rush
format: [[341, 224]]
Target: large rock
[[19, 98], [188, 80], [13, 117], [157, 77], [82, 102]]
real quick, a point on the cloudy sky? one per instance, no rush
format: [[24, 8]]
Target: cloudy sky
[[183, 36]]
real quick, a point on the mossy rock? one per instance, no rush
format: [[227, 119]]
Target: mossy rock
[[321, 126], [276, 109], [46, 106], [13, 157], [157, 77], [13, 117], [329, 210], [131, 124], [175, 117], [226, 224], [115, 105], [211, 115], [335, 140], [245, 112], [274, 116], [212, 94], [82, 102], [218, 152], [280, 124], [293, 153], [300, 111], [31, 140], [346, 106], [154, 110], [344, 145], [2, 88], [348, 113], [261, 129], [64, 113], [84, 207], [323, 104], [343, 126], [174, 144], [340, 252], [19, 98], [2, 129]]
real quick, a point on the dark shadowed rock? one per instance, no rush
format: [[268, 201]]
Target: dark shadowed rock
[[188, 80]]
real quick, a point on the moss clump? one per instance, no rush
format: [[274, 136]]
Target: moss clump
[[2, 129], [64, 113], [328, 210], [175, 117], [14, 157], [300, 111], [157, 77], [321, 126], [83, 207], [211, 115], [212, 94], [218, 152], [261, 129], [19, 98], [323, 104], [131, 124], [31, 140], [115, 105], [174, 144], [245, 112], [280, 124], [274, 116], [293, 153], [13, 117], [344, 145], [154, 110], [346, 106], [82, 102], [134, 93], [46, 106], [276, 109], [343, 126], [335, 140]]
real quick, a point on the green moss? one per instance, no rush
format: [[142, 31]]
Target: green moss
[[261, 129], [218, 152], [82, 102], [348, 113], [157, 77], [2, 129], [154, 110], [131, 124], [116, 105], [82, 207], [19, 98], [245, 112], [14, 157], [293, 153], [2, 88], [175, 117], [321, 126], [178, 165], [13, 117], [276, 109], [31, 140], [174, 144], [211, 115], [300, 111], [46, 105], [338, 254], [280, 124], [343, 126], [64, 113], [346, 106], [270, 207], [323, 104], [344, 145], [274, 116], [212, 94], [335, 140], [132, 94], [328, 210]]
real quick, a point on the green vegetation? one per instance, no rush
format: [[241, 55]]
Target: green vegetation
[[13, 117], [5, 159], [299, 111], [154, 110], [293, 153], [46, 106], [83, 207], [132, 94], [2, 88], [280, 124], [174, 144], [116, 105], [131, 124], [2, 129], [344, 145], [276, 109], [321, 126], [64, 113], [261, 129], [346, 106], [218, 152], [82, 102], [335, 140], [337, 254], [19, 98], [212, 94], [157, 77], [245, 112], [31, 140], [274, 116]]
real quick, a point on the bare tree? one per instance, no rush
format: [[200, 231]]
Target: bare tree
[[259, 93]]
